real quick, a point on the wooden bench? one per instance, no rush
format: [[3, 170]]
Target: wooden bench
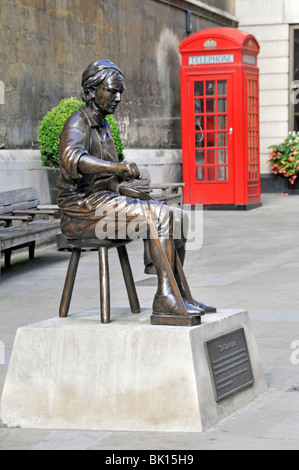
[[23, 222], [170, 193]]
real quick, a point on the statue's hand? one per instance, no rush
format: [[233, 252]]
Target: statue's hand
[[128, 171]]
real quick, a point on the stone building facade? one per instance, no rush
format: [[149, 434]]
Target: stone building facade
[[45, 46], [275, 24]]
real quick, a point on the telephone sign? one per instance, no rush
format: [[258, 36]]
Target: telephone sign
[[211, 59]]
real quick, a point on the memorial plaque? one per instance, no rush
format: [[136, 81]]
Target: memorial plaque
[[230, 363]]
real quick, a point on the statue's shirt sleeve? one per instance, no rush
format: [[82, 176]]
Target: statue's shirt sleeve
[[74, 143]]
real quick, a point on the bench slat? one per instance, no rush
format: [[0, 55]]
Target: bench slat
[[35, 211], [25, 205], [15, 217], [13, 236], [22, 205], [18, 195]]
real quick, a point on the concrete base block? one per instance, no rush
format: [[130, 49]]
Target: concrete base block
[[76, 373]]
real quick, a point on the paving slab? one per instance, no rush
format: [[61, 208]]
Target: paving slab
[[249, 260]]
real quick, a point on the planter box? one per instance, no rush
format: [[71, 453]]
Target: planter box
[[278, 184], [53, 175], [293, 188]]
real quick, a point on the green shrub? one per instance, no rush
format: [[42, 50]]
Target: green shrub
[[51, 127], [116, 137]]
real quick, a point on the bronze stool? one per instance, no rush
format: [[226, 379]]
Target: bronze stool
[[102, 246]]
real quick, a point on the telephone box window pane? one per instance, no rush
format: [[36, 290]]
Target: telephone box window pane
[[222, 140], [199, 140], [211, 140], [210, 105], [200, 157], [198, 106], [211, 123], [200, 173], [198, 88], [222, 123], [221, 105], [211, 157], [199, 123], [211, 173], [222, 157], [210, 88], [223, 173], [221, 86]]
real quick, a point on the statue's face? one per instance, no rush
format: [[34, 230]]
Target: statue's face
[[108, 94]]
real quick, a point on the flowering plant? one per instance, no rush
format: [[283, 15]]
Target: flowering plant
[[284, 158]]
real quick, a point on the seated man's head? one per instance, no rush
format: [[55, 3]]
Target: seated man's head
[[102, 86]]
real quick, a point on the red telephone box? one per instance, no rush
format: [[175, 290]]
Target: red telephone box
[[220, 118]]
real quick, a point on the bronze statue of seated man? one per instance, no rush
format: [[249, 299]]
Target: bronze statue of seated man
[[90, 188]]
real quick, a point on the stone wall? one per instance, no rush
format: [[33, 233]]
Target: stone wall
[[269, 21], [47, 44], [226, 5], [22, 169]]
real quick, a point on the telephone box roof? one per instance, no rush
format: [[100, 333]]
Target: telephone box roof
[[225, 38]]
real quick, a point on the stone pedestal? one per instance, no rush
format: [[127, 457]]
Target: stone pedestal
[[75, 373]]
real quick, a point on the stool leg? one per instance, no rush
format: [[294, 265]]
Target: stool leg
[[69, 282], [104, 285], [7, 258], [129, 280], [31, 250]]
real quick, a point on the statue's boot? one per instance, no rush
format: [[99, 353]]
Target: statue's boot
[[207, 308], [150, 269], [165, 302], [167, 305]]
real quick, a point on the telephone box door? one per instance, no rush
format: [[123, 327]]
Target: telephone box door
[[210, 115]]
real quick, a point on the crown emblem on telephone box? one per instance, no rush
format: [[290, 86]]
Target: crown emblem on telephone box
[[210, 44]]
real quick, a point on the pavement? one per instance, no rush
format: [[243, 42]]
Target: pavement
[[248, 260]]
